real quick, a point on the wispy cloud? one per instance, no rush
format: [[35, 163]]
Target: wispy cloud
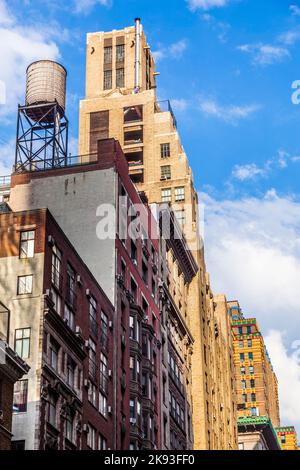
[[252, 171], [6, 18], [265, 54], [290, 37], [175, 50], [229, 113], [247, 172], [220, 27], [295, 10], [85, 6], [206, 4], [20, 45], [179, 104]]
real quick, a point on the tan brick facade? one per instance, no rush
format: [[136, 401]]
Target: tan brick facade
[[147, 132]]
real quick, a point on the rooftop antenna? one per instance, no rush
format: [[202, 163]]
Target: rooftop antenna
[[137, 54]]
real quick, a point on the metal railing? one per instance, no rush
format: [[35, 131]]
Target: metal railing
[[5, 180], [44, 164], [165, 107]]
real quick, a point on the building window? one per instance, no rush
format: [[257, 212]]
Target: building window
[[244, 396], [252, 383], [103, 373], [165, 172], [56, 299], [22, 342], [180, 216], [71, 366], [253, 411], [107, 79], [165, 151], [145, 273], [56, 267], [241, 344], [92, 394], [104, 332], [93, 315], [248, 330], [102, 443], [91, 438], [243, 384], [179, 194], [108, 55], [51, 414], [103, 405], [240, 330], [71, 287], [250, 355], [132, 409], [251, 370], [243, 370], [253, 397], [20, 396], [69, 426], [166, 195], [69, 317], [120, 78], [25, 284], [92, 359], [283, 440], [120, 53], [132, 367], [27, 244], [242, 357], [249, 343], [54, 351]]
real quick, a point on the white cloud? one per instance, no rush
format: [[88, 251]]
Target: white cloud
[[295, 10], [19, 46], [290, 37], [5, 17], [206, 4], [175, 51], [265, 54], [229, 113], [253, 254], [287, 369], [220, 27], [178, 48], [251, 171], [179, 104], [7, 155], [247, 172], [84, 6]]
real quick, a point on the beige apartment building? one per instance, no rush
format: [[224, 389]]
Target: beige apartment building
[[121, 103], [256, 381]]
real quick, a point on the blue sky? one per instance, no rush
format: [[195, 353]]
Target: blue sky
[[228, 67]]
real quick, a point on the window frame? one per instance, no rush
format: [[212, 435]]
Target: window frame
[[22, 341], [28, 244], [165, 150], [26, 276]]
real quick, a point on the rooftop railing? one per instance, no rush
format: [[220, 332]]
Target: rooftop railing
[[165, 107], [44, 164]]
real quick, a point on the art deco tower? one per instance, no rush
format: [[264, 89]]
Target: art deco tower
[[121, 102]]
